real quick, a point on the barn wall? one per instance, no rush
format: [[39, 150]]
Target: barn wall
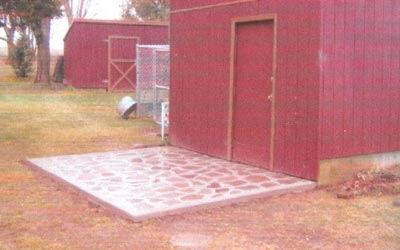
[[360, 64], [195, 4], [86, 49], [200, 57]]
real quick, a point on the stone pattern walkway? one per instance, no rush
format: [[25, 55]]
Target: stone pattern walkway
[[152, 182]]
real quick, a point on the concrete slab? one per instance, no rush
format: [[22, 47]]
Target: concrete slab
[[158, 181]]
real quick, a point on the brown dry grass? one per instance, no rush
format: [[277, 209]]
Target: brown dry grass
[[37, 213]]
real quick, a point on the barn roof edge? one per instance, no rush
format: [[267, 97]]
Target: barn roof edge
[[116, 22]]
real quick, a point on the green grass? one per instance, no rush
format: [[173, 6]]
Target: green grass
[[40, 121]]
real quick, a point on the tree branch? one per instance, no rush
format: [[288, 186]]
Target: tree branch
[[68, 10]]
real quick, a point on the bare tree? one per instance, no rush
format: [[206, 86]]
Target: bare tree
[[146, 10], [37, 15], [76, 9], [9, 23], [12, 26]]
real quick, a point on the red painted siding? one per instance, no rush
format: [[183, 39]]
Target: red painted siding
[[86, 49], [200, 49], [360, 77], [337, 78], [189, 4]]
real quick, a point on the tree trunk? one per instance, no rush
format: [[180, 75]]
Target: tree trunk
[[10, 50], [10, 35], [43, 52]]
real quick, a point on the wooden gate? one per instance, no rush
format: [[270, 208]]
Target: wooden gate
[[252, 93], [122, 63]]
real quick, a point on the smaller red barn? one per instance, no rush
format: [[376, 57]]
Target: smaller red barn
[[102, 54]]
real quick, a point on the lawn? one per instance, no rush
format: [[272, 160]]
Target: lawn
[[38, 213]]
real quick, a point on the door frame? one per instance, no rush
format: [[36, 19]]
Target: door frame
[[234, 25], [112, 62]]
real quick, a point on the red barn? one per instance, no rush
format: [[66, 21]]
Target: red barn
[[101, 54], [298, 86]]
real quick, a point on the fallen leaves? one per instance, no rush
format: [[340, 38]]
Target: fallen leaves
[[372, 182]]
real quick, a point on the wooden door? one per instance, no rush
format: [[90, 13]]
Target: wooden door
[[122, 62], [253, 93]]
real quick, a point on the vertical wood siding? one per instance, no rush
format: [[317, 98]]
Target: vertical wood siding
[[337, 79], [86, 49], [178, 6], [360, 79], [200, 59]]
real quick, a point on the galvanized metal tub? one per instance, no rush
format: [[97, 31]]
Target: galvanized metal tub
[[126, 106]]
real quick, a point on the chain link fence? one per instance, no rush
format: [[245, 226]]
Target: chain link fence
[[152, 80]]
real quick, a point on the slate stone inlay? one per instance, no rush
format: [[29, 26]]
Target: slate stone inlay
[[150, 182], [257, 178]]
